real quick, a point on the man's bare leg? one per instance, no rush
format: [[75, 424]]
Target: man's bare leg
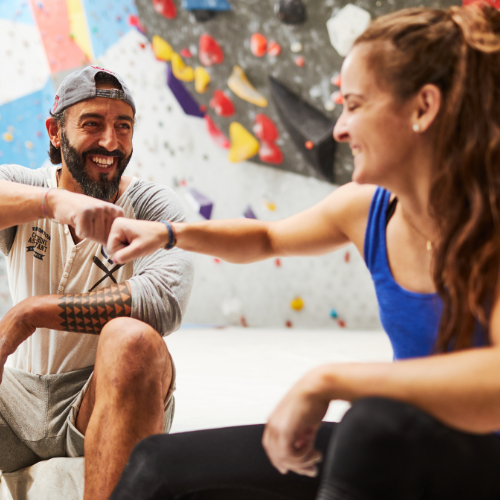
[[125, 400]]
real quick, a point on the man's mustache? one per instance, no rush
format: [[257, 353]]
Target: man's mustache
[[103, 152]]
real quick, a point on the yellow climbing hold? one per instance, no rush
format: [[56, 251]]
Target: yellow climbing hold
[[8, 137], [180, 70], [297, 304], [243, 144], [201, 79], [270, 206], [29, 145], [162, 49], [239, 84]]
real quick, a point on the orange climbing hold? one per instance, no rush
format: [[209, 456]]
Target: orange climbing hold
[[337, 97], [166, 8], [274, 48], [162, 49], [243, 144], [239, 84], [258, 44], [336, 80], [309, 144], [210, 51], [180, 70]]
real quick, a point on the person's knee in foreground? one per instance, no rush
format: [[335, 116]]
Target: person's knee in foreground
[[88, 371], [421, 114]]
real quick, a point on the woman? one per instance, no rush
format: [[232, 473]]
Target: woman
[[422, 116]]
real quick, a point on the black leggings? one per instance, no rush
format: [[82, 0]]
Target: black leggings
[[382, 450]]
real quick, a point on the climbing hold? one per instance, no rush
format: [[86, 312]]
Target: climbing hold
[[243, 322], [258, 44], [347, 257], [239, 84], [297, 304], [184, 98], [346, 26], [336, 80], [216, 133], [8, 137], [243, 144], [166, 8], [309, 144], [210, 51], [306, 123], [217, 261], [288, 324], [300, 61], [206, 5], [333, 314], [222, 104], [264, 128], [200, 203], [269, 152], [185, 52], [277, 262], [203, 108], [29, 145], [296, 47], [270, 206], [136, 23], [162, 49], [39, 133], [329, 105], [202, 15], [337, 98], [341, 323], [290, 11], [273, 48], [180, 70], [248, 213], [142, 46], [201, 79]]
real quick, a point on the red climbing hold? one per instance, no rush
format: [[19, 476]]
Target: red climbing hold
[[337, 97], [265, 129], [288, 324], [166, 8], [210, 51], [300, 61], [269, 152], [309, 144], [142, 45], [222, 104], [341, 323], [277, 262], [136, 23], [336, 80], [243, 322], [274, 48], [347, 257], [185, 52], [216, 133], [258, 44]]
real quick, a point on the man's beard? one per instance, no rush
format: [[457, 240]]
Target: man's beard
[[103, 189]]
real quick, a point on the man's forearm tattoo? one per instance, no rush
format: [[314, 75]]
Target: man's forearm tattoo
[[89, 312]]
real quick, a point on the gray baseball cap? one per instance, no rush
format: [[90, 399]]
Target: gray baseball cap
[[80, 86]]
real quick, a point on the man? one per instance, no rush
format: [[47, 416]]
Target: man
[[86, 357]]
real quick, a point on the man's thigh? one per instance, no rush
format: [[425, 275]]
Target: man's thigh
[[107, 350]]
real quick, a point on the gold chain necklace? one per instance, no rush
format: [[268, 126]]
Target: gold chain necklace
[[415, 228]]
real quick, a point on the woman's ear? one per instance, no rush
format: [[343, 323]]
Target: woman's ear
[[54, 131], [428, 104]]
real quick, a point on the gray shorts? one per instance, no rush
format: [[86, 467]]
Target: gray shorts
[[38, 416]]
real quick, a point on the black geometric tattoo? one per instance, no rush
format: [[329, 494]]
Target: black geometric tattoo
[[89, 312]]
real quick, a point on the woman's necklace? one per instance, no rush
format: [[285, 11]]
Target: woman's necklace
[[415, 228]]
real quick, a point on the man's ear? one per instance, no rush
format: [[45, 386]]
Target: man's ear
[[428, 104], [54, 131]]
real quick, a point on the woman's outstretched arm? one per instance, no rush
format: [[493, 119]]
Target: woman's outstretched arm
[[332, 223]]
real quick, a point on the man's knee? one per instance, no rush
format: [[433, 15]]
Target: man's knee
[[133, 348]]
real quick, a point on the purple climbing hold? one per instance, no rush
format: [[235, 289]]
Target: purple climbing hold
[[290, 11], [200, 203], [248, 213], [184, 98]]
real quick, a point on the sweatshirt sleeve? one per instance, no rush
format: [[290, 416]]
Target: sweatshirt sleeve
[[21, 175], [162, 282]]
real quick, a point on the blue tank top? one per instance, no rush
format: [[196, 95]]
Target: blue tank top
[[411, 320]]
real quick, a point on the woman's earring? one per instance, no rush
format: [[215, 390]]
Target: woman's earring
[[416, 127]]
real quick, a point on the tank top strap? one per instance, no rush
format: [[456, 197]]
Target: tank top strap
[[374, 246]]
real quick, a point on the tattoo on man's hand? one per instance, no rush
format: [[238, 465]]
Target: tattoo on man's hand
[[89, 312]]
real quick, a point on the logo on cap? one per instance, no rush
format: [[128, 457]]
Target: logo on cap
[[102, 69], [56, 102]]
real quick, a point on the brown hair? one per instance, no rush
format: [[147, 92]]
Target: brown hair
[[458, 50]]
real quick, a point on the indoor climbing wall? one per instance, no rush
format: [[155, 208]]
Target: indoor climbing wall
[[236, 102]]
